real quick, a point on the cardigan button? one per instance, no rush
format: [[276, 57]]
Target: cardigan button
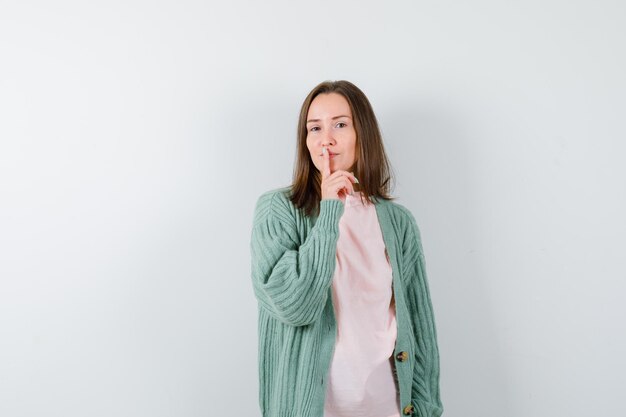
[[402, 356], [408, 410]]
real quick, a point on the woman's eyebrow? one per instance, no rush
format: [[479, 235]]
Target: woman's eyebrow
[[336, 117]]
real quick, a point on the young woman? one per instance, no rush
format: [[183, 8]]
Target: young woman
[[346, 325]]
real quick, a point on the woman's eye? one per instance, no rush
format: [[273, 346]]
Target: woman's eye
[[313, 128], [342, 123]]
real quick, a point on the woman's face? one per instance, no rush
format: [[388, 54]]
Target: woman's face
[[330, 124]]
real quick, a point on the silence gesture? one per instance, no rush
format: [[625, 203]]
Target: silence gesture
[[339, 183]]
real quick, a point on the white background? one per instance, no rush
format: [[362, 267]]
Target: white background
[[136, 136]]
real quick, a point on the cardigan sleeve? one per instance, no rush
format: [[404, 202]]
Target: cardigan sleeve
[[291, 280], [425, 387]]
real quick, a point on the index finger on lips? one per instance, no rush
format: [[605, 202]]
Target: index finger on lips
[[325, 163]]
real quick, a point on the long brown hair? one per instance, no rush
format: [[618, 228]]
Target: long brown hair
[[372, 167]]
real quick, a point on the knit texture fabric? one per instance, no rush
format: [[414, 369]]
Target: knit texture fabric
[[293, 261]]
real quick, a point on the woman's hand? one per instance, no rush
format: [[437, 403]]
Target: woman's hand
[[339, 182]]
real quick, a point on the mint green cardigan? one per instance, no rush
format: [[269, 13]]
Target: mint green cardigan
[[293, 262]]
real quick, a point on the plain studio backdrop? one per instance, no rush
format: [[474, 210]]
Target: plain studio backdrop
[[136, 137]]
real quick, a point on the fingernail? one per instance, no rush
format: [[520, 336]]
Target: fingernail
[[323, 150], [356, 179]]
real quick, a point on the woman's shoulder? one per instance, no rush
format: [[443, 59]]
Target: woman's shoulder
[[405, 220], [400, 211], [279, 195], [274, 203]]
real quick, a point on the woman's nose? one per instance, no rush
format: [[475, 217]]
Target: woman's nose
[[327, 138]]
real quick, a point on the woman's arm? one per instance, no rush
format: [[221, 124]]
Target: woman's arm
[[425, 392], [291, 281]]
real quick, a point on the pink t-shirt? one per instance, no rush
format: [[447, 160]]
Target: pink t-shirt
[[361, 380]]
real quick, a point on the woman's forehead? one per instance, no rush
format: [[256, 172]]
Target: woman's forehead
[[328, 106]]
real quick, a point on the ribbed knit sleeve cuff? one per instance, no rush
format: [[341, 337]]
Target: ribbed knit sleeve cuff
[[330, 213]]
